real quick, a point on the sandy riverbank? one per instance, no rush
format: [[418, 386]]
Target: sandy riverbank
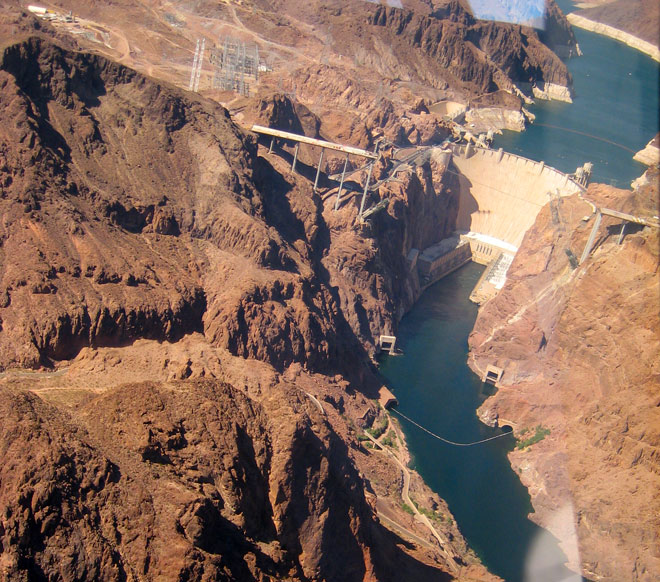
[[615, 33]]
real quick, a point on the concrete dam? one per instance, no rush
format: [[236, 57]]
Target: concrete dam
[[500, 197]]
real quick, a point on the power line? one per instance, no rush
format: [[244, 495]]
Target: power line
[[586, 135], [444, 440]]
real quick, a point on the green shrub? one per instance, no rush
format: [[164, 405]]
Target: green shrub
[[377, 430], [390, 440], [538, 435], [407, 508], [434, 515]]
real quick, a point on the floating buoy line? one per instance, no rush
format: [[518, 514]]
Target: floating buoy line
[[444, 440], [585, 134]]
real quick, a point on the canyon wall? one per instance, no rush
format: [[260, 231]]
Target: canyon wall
[[131, 211], [633, 22], [628, 38], [579, 351], [183, 362], [184, 324]]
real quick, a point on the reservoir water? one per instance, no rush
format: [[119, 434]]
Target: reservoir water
[[614, 114], [435, 387]]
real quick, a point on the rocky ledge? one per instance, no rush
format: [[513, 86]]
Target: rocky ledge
[[184, 341], [185, 326]]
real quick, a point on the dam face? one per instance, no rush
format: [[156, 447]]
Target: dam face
[[500, 197]]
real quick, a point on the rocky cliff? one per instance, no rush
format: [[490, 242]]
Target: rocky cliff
[[434, 54], [579, 348], [639, 18], [375, 282], [185, 324], [78, 184], [183, 362], [136, 487]]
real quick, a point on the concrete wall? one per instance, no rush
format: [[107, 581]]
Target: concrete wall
[[501, 193], [483, 253], [451, 109], [439, 260]]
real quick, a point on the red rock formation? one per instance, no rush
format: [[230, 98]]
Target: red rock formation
[[79, 184], [185, 289], [139, 485], [133, 216], [641, 18], [579, 349]]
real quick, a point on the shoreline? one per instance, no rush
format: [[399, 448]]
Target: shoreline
[[611, 32]]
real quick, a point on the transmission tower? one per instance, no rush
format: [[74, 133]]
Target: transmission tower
[[194, 68], [232, 63], [197, 66]]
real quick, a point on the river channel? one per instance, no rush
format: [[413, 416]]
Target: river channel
[[614, 114]]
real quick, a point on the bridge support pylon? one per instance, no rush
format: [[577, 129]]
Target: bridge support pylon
[[622, 233], [318, 171], [341, 183], [295, 157], [366, 189], [592, 237]]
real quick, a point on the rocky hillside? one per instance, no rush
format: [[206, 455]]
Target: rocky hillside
[[378, 62], [184, 324], [579, 348], [356, 65], [98, 158], [641, 18], [184, 347], [136, 487]]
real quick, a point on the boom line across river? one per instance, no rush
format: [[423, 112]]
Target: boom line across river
[[444, 440]]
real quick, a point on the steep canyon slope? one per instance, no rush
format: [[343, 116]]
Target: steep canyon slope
[[185, 324], [357, 65], [580, 352], [169, 288], [639, 18]]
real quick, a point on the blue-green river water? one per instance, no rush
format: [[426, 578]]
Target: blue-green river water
[[614, 113]]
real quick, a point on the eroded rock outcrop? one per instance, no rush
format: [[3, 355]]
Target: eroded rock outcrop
[[206, 315], [185, 480], [375, 281], [173, 279], [579, 349], [108, 160]]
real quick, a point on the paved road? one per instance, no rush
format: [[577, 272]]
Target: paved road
[[405, 495], [399, 528]]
